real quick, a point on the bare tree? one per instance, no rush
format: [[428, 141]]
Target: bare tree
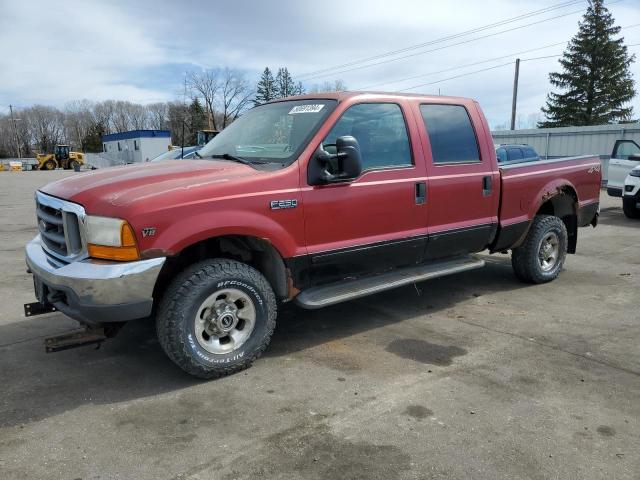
[[158, 115], [206, 84], [78, 120], [235, 95], [45, 125], [327, 86]]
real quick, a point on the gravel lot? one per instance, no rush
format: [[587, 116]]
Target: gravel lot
[[469, 376]]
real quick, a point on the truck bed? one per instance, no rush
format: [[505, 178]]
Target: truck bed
[[525, 186]]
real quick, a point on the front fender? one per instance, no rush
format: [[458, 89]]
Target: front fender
[[194, 228]]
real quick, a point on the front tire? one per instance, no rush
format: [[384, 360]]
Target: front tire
[[216, 318], [49, 165], [541, 256], [629, 208]]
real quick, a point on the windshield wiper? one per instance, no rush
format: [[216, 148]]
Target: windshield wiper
[[197, 154], [228, 156]]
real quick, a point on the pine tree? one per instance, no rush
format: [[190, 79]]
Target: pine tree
[[266, 88], [285, 86], [197, 120], [596, 84]]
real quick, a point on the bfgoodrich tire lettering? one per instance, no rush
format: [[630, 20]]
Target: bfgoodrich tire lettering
[[177, 321], [541, 256]]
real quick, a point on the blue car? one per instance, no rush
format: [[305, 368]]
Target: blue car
[[516, 154]]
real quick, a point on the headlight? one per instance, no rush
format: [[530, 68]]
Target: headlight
[[635, 172], [110, 239]]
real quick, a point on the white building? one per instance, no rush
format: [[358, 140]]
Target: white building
[[136, 145]]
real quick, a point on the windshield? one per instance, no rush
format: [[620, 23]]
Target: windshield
[[273, 133]]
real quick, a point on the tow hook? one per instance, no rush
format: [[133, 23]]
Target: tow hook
[[80, 338]]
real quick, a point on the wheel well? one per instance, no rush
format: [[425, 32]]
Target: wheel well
[[257, 252], [564, 205]]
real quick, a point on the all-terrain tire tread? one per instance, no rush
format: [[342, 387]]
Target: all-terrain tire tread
[[187, 285], [525, 257]]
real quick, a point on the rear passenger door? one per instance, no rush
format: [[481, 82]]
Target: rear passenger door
[[463, 186]]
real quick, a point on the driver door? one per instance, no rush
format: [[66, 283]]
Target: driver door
[[379, 220], [626, 156]]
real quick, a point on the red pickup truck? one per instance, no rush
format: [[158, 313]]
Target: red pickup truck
[[317, 199]]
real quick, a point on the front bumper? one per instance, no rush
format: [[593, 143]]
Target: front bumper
[[94, 291]]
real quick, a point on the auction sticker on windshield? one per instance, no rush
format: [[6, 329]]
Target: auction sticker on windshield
[[306, 109]]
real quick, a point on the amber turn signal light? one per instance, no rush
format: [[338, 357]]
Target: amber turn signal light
[[127, 251]]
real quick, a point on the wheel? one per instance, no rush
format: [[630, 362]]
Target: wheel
[[74, 165], [49, 165], [629, 208], [216, 318], [541, 256]]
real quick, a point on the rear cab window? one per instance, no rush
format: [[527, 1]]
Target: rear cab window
[[451, 134]]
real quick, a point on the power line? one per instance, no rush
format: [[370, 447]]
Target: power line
[[461, 66], [457, 76], [485, 70], [446, 38], [486, 61], [464, 42]]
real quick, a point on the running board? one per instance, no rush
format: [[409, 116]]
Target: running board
[[323, 296]]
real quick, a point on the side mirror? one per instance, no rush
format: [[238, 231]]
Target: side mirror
[[342, 166]]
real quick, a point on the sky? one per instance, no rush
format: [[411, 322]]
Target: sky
[[54, 52]]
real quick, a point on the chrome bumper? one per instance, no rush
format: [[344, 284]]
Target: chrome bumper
[[95, 291]]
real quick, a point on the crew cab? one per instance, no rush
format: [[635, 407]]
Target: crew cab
[[315, 199]]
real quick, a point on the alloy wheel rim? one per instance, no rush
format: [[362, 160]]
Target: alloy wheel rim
[[549, 251], [224, 321]]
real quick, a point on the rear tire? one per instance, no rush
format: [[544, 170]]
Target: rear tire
[[629, 208], [541, 256], [216, 318]]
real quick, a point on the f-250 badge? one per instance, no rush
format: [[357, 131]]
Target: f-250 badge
[[281, 204]]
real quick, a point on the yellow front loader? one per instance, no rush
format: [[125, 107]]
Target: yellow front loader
[[60, 158]]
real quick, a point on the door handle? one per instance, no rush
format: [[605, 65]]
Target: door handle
[[487, 185], [421, 193]]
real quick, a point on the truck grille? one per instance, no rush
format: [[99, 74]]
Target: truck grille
[[60, 226]]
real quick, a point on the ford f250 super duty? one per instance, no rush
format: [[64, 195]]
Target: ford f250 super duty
[[316, 199]]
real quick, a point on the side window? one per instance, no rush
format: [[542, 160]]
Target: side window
[[530, 153], [625, 148], [381, 133], [514, 154], [501, 153], [451, 134]]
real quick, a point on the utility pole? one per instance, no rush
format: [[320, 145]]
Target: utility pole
[[15, 131], [515, 95]]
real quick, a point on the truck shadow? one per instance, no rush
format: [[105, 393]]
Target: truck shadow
[[615, 217], [132, 365]]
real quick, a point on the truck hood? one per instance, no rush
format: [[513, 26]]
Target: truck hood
[[132, 184]]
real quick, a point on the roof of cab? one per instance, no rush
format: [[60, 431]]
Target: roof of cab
[[341, 96]]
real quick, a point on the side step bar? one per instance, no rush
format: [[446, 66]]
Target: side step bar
[[326, 295]]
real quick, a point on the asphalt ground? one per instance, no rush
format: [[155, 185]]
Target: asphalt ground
[[469, 376]]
